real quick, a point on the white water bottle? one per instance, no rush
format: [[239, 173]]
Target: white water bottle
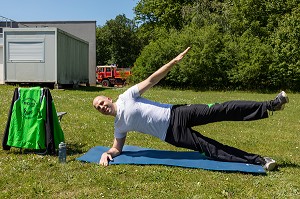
[[62, 152]]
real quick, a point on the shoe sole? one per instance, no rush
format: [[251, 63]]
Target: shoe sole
[[271, 166], [283, 94]]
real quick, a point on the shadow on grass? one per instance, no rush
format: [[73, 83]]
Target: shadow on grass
[[72, 149], [75, 148], [289, 165], [85, 88], [63, 87], [90, 88]]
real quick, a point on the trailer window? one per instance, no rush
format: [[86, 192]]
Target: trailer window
[[26, 51]]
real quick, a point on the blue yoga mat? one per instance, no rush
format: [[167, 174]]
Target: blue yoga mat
[[188, 159]]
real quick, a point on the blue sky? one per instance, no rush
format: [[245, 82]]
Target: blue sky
[[66, 10]]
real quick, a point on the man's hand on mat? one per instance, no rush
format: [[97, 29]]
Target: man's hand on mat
[[105, 158]]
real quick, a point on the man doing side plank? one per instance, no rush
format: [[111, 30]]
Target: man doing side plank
[[173, 123]]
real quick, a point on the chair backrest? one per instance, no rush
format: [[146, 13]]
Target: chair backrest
[[32, 121]]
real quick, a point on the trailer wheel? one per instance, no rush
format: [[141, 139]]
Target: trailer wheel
[[105, 83]]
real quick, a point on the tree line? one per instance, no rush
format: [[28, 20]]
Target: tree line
[[236, 44]]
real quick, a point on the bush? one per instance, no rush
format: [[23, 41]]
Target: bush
[[202, 67]]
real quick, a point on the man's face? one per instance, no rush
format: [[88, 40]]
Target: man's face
[[104, 105]]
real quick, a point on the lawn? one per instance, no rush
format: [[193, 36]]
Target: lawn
[[35, 176]]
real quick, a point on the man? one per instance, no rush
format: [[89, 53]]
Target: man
[[173, 123]]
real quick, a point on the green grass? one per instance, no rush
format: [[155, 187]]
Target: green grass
[[34, 176]]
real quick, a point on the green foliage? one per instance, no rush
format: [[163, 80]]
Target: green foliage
[[117, 42], [203, 66], [285, 70], [102, 47], [206, 13], [152, 57], [251, 60], [240, 44], [159, 13]]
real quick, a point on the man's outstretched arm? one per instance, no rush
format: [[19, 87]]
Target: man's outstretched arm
[[160, 73]]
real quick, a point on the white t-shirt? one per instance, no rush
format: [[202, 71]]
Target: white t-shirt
[[135, 113]]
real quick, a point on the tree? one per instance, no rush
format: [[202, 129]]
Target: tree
[[239, 44], [102, 45], [203, 67], [166, 13], [117, 42], [155, 17], [285, 70]]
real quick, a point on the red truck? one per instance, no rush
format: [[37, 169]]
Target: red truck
[[110, 76]]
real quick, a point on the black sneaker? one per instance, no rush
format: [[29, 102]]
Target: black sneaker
[[270, 164], [278, 103]]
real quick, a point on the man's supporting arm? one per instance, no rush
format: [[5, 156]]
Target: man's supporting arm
[[114, 151]]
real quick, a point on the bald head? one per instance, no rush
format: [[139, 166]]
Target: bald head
[[104, 105]]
